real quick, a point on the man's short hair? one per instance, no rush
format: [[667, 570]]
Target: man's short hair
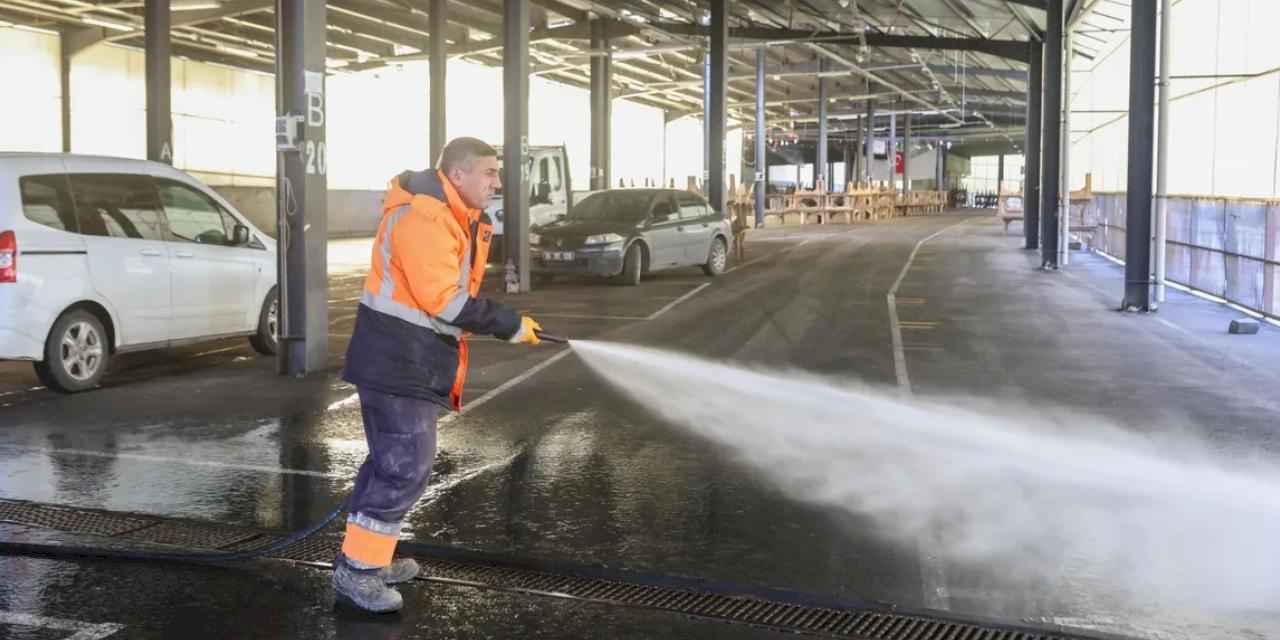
[[459, 153]]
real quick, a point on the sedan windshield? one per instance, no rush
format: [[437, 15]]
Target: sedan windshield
[[613, 205]]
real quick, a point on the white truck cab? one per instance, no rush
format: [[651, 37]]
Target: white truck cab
[[550, 188]]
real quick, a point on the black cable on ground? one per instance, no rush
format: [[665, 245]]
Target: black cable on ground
[[211, 557]]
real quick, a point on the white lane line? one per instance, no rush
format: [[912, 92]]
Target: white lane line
[[492, 393], [84, 630], [895, 328], [187, 461], [933, 573], [751, 262], [1172, 326], [656, 314], [436, 490]]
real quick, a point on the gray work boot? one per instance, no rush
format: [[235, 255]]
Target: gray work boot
[[400, 570], [364, 589]]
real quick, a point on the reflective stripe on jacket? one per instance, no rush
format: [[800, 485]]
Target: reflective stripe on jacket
[[422, 296]]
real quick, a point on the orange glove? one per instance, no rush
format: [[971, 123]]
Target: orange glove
[[528, 333]]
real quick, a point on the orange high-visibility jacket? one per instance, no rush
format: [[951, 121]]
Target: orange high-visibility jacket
[[422, 296]]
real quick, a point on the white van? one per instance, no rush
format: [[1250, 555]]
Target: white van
[[101, 255]]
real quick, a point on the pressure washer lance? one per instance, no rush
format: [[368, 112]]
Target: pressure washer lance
[[550, 337]]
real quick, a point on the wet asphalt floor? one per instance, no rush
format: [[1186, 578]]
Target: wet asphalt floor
[[561, 467]]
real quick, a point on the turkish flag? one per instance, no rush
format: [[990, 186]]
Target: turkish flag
[[897, 162]]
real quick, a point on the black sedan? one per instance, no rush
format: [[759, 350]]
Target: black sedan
[[625, 233]]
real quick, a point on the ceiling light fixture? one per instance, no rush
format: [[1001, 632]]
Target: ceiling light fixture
[[193, 5]]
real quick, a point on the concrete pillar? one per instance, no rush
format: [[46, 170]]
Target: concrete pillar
[[762, 169], [302, 188], [1142, 96], [718, 110], [439, 63], [820, 165], [1051, 149], [515, 144], [1031, 197], [159, 118], [601, 106]]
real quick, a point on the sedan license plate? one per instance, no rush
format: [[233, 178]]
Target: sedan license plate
[[557, 256]]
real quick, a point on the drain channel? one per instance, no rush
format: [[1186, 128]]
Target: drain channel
[[851, 622]]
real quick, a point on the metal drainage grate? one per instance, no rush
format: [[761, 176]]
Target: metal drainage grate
[[321, 549], [102, 523], [182, 534]]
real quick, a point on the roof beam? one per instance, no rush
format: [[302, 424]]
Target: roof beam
[[1012, 49]]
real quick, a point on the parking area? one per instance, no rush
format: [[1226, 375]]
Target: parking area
[[353, 319], [553, 469]]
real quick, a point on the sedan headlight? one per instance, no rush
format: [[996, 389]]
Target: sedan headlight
[[605, 238]]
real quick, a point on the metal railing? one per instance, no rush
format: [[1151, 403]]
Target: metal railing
[[1227, 247]]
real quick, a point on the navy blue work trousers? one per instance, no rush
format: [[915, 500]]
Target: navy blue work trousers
[[401, 433]]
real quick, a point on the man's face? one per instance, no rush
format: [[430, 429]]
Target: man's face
[[478, 185]]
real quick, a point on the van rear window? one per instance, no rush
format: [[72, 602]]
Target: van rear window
[[46, 200]]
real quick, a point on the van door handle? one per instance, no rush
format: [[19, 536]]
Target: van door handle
[[184, 254], [151, 253]]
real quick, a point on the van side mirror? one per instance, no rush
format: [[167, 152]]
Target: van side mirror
[[240, 236]]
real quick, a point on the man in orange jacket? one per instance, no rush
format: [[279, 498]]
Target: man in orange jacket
[[408, 352]]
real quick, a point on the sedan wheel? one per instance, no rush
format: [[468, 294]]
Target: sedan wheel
[[717, 259]]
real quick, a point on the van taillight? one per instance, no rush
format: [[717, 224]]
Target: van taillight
[[8, 257]]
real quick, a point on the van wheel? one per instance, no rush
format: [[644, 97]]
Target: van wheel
[[631, 265], [265, 341], [717, 259], [76, 354]]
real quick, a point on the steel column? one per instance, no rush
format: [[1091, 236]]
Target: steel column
[[820, 159], [999, 174], [718, 108], [1142, 95], [762, 170], [1031, 171], [706, 116], [64, 80], [601, 106], [906, 156], [858, 155], [1064, 223], [302, 189], [515, 148], [1051, 148], [159, 118], [1162, 155], [893, 149], [871, 134], [439, 66]]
